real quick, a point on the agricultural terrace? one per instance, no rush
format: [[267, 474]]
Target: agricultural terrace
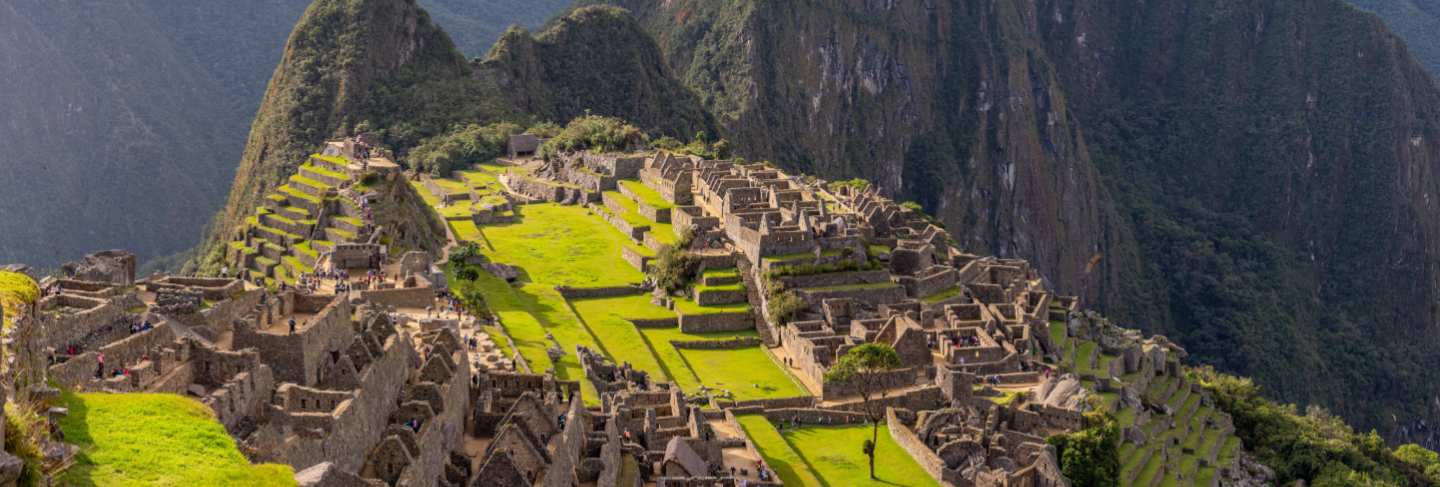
[[748, 372], [560, 245], [156, 439], [1188, 438], [832, 455]]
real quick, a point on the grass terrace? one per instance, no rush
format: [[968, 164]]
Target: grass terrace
[[563, 245], [530, 311], [156, 439], [16, 289], [685, 305], [646, 195], [831, 455], [748, 372]]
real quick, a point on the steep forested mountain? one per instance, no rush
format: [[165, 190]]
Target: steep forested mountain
[[134, 112], [1254, 177], [1416, 21], [383, 66]]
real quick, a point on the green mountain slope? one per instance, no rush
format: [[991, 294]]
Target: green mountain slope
[[1416, 21], [597, 60], [380, 62], [1251, 177]]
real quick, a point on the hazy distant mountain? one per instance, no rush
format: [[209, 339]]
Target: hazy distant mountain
[[122, 121]]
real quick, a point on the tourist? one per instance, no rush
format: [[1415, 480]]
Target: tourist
[[292, 326], [100, 365]]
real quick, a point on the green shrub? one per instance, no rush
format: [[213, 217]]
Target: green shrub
[[463, 146], [596, 133], [1091, 457], [674, 268]]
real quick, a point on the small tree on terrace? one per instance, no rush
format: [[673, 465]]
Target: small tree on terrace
[[865, 367]]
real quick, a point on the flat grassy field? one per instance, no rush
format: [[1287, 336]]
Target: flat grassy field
[[833, 454], [156, 440], [787, 463], [646, 195], [749, 372], [563, 245]]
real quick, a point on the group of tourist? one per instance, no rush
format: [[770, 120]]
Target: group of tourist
[[141, 326]]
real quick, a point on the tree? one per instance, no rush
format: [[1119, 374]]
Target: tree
[[865, 367], [1090, 457]]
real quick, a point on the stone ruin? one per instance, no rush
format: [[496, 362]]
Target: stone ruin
[[115, 267]]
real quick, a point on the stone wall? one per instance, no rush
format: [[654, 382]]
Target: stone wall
[[711, 297], [692, 217], [835, 279], [107, 318], [596, 292], [911, 443], [298, 358], [729, 344], [656, 323], [877, 296], [813, 416], [717, 322], [834, 390], [414, 297], [635, 259], [443, 433], [363, 422]]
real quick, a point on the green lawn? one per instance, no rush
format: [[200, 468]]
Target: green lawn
[[646, 195], [16, 289], [831, 456], [563, 245], [786, 462], [156, 439], [528, 313], [688, 307], [749, 373]]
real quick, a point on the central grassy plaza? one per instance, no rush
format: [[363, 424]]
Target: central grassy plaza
[[571, 246]]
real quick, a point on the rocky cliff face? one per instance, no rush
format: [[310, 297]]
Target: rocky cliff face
[[1252, 177], [950, 103]]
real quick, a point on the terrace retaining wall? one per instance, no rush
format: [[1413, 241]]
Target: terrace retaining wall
[[912, 444], [718, 322], [729, 344]]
